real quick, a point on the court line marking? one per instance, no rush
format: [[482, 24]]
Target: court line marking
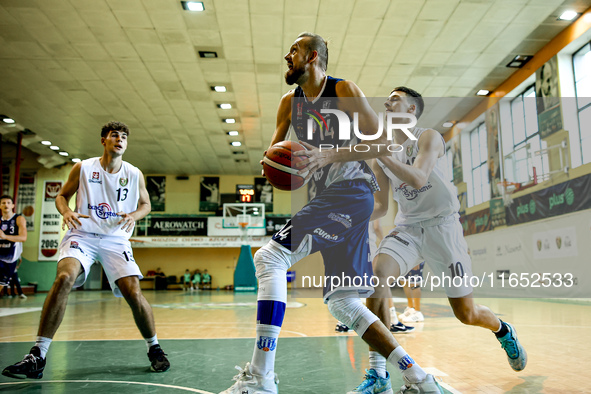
[[113, 381]]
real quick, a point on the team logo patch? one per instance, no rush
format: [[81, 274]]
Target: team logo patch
[[95, 178], [409, 150], [405, 363], [343, 219], [300, 109], [267, 344], [75, 245], [123, 181], [4, 226], [394, 234], [102, 210]]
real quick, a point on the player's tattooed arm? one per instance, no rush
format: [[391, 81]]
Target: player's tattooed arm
[[143, 207], [70, 218], [382, 197], [430, 148], [283, 121]]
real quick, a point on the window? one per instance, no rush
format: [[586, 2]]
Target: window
[[478, 159], [522, 163], [582, 74]]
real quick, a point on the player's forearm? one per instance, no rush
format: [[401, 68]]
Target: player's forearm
[[379, 210], [413, 176], [142, 211], [16, 238], [62, 205]]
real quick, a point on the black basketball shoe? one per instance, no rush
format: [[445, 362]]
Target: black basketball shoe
[[158, 359], [30, 367]]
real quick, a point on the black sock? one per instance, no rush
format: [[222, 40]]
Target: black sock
[[503, 331]]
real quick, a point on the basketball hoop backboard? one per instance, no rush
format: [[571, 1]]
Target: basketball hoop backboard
[[237, 214]]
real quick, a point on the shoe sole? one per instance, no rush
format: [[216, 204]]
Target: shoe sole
[[159, 370], [23, 376]]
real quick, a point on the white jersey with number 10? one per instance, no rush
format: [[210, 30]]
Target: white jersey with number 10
[[101, 195]]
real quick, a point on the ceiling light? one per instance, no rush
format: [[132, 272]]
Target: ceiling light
[[483, 92], [232, 133], [64, 153], [76, 160], [219, 88], [230, 120], [47, 143], [225, 106], [54, 147], [519, 61], [196, 6], [568, 15], [6, 119], [236, 143], [448, 124], [208, 54]]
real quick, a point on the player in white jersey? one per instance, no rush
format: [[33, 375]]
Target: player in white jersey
[[427, 227], [111, 197]]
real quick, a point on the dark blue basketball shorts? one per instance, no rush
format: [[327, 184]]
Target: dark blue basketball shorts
[[336, 224]]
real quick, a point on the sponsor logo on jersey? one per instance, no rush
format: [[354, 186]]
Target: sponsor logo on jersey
[[300, 109], [103, 210], [343, 219], [75, 245], [409, 150], [325, 235], [123, 181], [95, 178], [405, 362], [410, 193], [267, 344], [394, 234]]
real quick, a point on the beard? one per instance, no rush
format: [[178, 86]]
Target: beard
[[293, 76]]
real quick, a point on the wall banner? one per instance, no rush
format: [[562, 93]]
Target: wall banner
[[570, 196], [49, 230]]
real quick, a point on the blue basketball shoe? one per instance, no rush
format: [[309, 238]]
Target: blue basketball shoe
[[516, 354], [373, 384]]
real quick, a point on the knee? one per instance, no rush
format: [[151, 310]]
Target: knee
[[466, 315], [269, 260], [382, 269], [65, 279]]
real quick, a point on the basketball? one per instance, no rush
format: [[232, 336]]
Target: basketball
[[279, 166]]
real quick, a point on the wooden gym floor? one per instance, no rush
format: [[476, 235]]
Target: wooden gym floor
[[99, 349]]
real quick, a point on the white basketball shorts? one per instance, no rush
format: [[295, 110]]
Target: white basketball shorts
[[114, 254], [440, 243]]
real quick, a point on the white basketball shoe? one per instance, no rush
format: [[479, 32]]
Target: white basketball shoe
[[415, 317], [250, 383]]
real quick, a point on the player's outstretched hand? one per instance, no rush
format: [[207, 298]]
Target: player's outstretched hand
[[2, 235], [72, 220], [127, 220], [314, 159]]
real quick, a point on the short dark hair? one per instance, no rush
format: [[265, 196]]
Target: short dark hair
[[117, 126], [6, 197], [318, 44], [416, 98]]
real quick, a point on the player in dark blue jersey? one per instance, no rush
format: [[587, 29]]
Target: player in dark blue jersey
[[13, 231], [334, 222]]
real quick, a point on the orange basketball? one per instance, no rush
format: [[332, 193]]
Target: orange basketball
[[28, 210], [279, 166]]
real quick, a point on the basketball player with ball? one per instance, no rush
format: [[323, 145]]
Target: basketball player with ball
[[335, 222], [111, 197]]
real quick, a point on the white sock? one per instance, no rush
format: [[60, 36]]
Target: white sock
[[409, 368], [151, 341], [393, 316], [378, 363], [265, 348], [43, 344]]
